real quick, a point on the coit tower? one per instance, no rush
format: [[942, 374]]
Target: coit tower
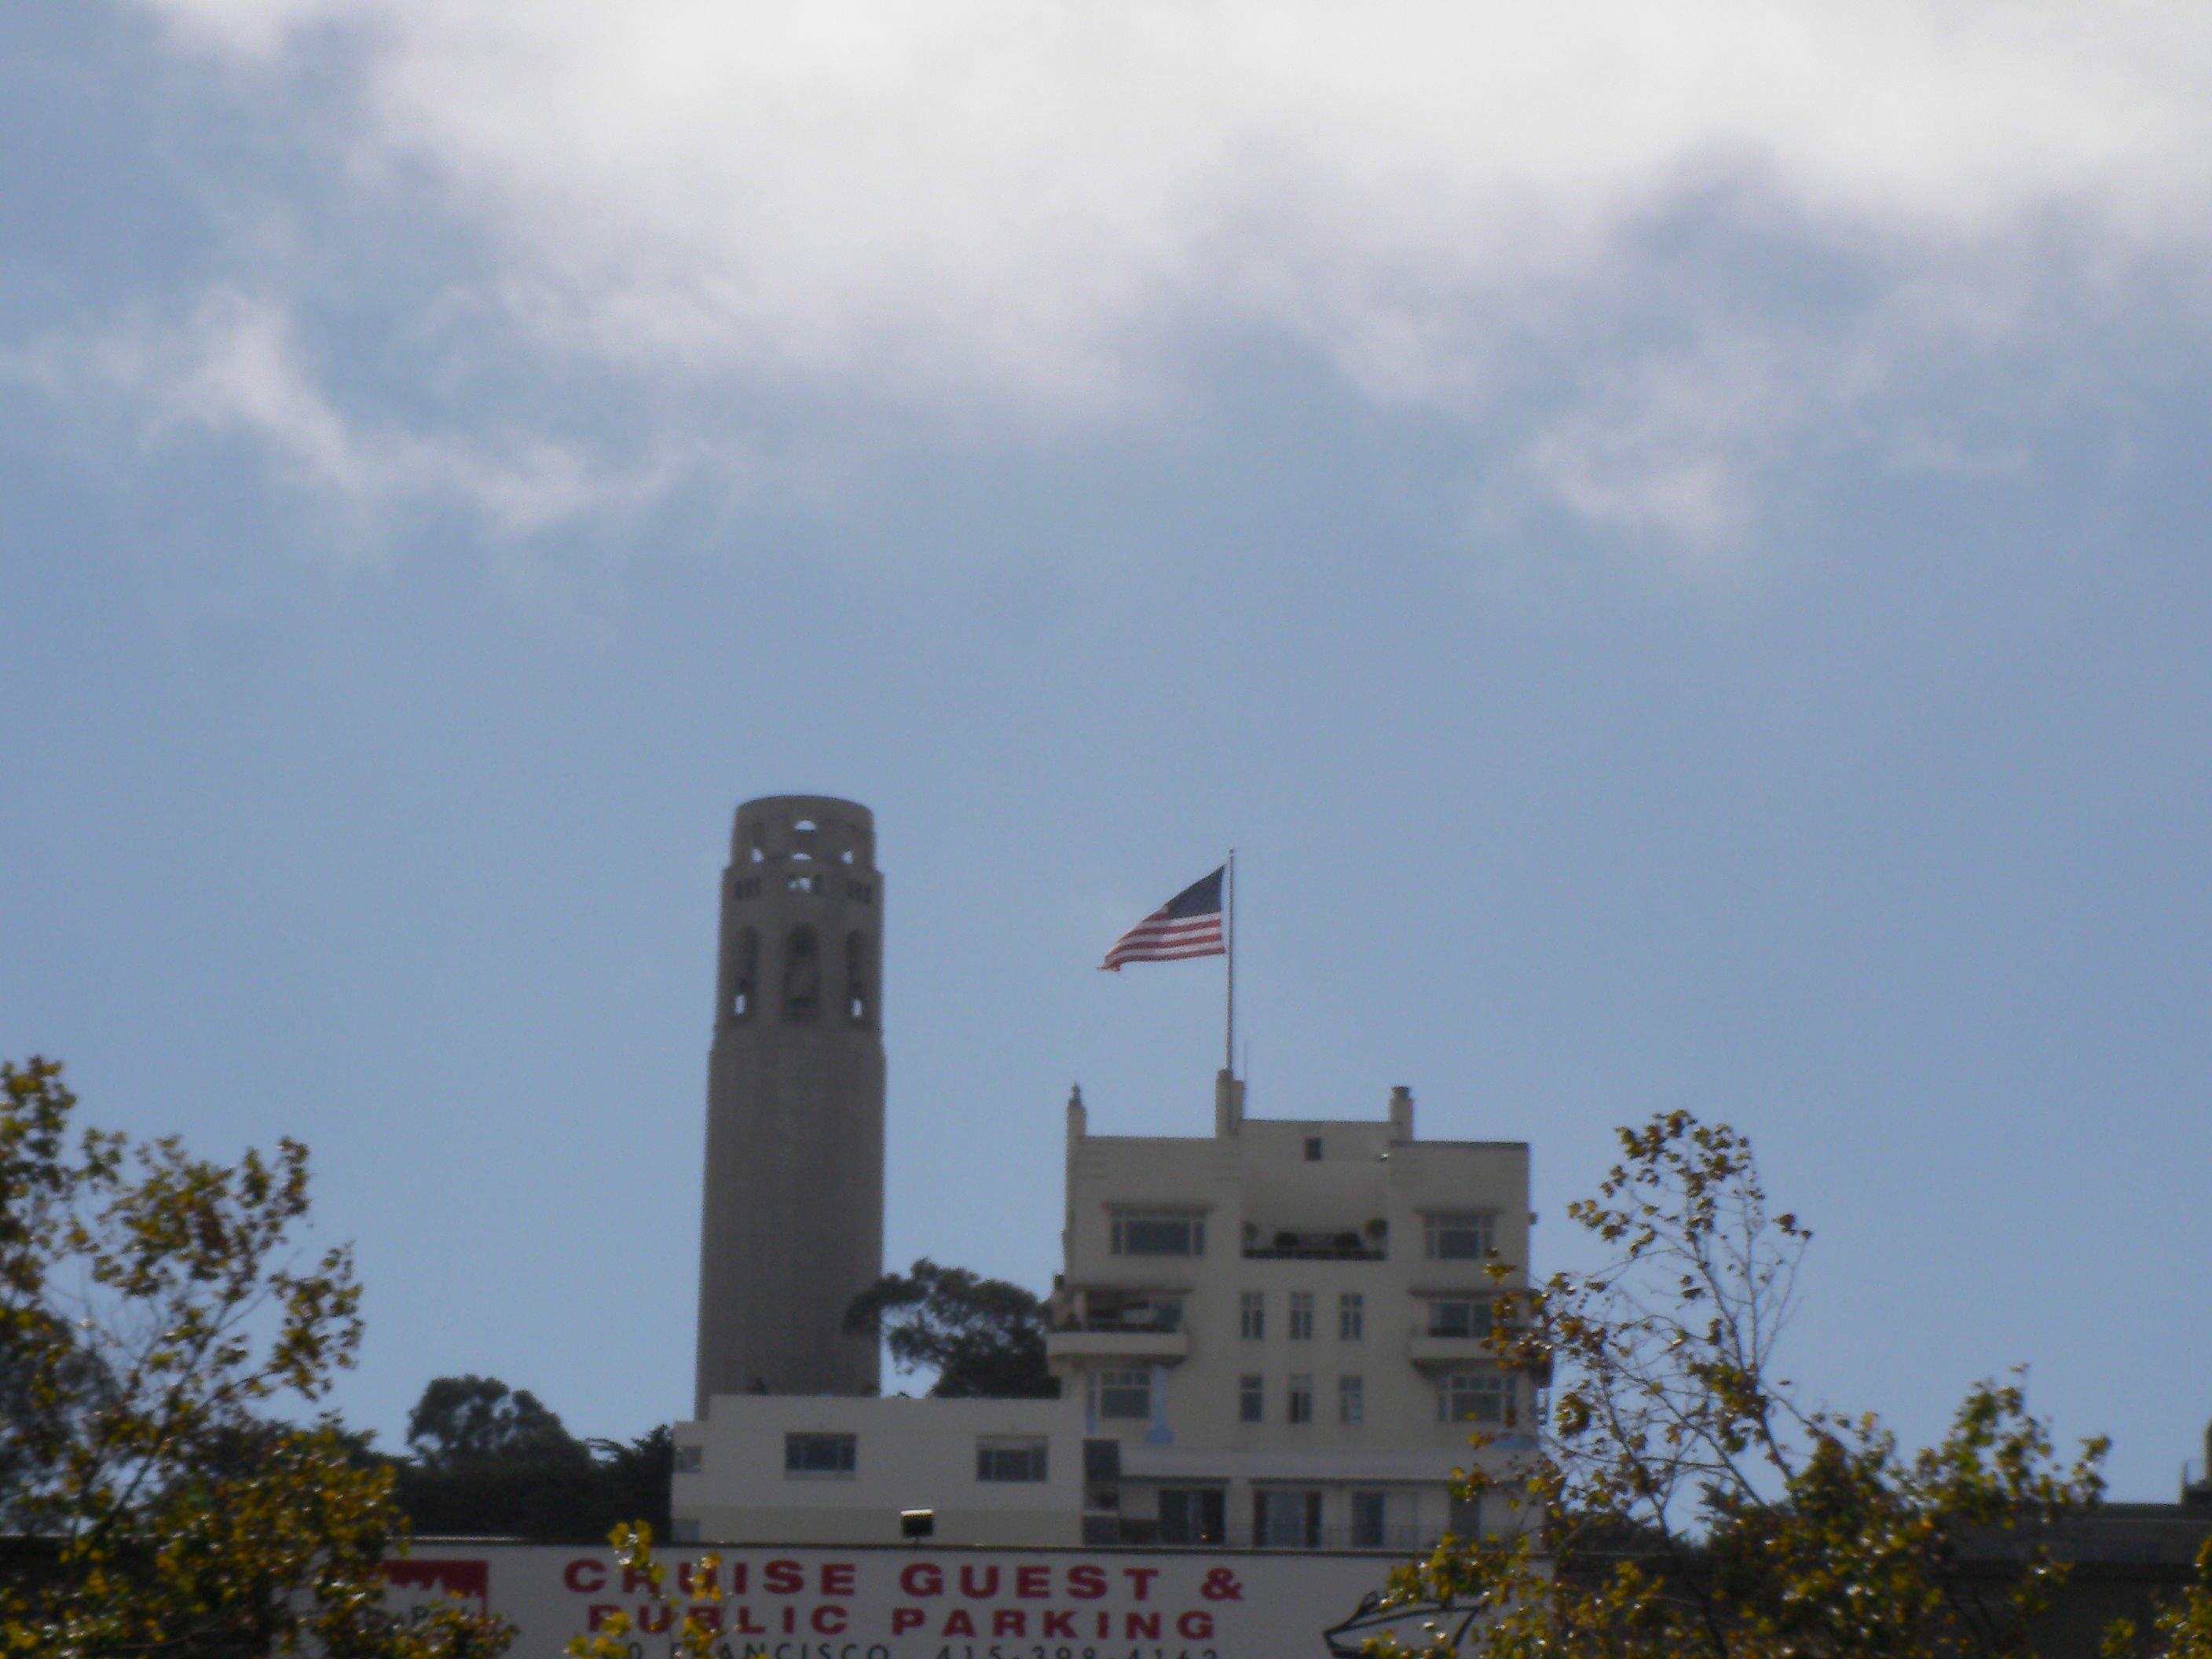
[[793, 1223]]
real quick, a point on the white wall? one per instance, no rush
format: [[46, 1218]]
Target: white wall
[[909, 1454]]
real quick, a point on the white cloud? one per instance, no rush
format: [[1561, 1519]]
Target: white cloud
[[1004, 206], [234, 367]]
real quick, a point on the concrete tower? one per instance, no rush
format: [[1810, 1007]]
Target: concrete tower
[[793, 1223]]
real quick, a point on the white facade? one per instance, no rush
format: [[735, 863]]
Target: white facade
[[1280, 1325], [831, 1469]]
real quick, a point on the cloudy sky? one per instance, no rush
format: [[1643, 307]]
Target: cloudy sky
[[1672, 539]]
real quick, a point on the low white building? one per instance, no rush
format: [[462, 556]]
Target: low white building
[[829, 1469], [1280, 1326]]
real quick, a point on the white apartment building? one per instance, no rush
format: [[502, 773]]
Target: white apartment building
[[1274, 1333]]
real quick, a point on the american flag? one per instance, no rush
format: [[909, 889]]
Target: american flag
[[1188, 925]]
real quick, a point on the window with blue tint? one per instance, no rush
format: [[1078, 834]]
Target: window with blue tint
[[1136, 1233], [820, 1457]]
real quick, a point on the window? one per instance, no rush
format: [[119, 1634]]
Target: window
[[856, 978], [1009, 1458], [1301, 1312], [1459, 1317], [1351, 1316], [802, 884], [1139, 1233], [1469, 1397], [1123, 1393], [1351, 1400], [1459, 1236], [1285, 1519], [1312, 1149], [818, 1456], [1298, 1403], [1252, 1315], [1192, 1515], [802, 976], [1370, 1515], [744, 969], [1251, 1400], [690, 1460]]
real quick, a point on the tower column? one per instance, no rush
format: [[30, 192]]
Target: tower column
[[792, 1226]]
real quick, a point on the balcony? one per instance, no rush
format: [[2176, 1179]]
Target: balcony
[[1284, 1245], [1425, 1348], [1096, 1341]]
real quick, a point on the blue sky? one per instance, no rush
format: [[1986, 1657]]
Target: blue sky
[[1677, 558]]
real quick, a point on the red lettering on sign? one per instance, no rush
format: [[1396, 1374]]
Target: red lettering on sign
[[1140, 1624], [1199, 1626], [708, 1615], [599, 1614], [905, 1619], [922, 1578], [445, 1577], [1010, 1622], [635, 1579], [1086, 1584], [783, 1578], [645, 1618], [1141, 1578], [573, 1576], [836, 1579], [1105, 1624], [1059, 1623], [745, 1626], [737, 1578], [968, 1583], [829, 1620], [1033, 1581], [957, 1623], [698, 1579]]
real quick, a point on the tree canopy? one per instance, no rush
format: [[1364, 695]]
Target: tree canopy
[[1682, 1499], [984, 1337], [492, 1460], [155, 1310]]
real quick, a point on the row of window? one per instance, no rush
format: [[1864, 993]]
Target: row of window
[[1447, 1235], [1282, 1517], [1447, 1316], [1461, 1397], [802, 975], [836, 1456]]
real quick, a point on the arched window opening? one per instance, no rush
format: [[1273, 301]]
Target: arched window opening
[[802, 976], [745, 970], [856, 978]]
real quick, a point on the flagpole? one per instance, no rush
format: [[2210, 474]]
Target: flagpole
[[1229, 950]]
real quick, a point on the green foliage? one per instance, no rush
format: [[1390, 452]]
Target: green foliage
[[461, 1420], [152, 1309], [984, 1336], [1683, 1503], [493, 1462], [2181, 1631]]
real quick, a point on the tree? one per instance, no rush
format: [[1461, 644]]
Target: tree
[[1683, 1502], [152, 1311], [492, 1460], [472, 1419], [984, 1336]]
